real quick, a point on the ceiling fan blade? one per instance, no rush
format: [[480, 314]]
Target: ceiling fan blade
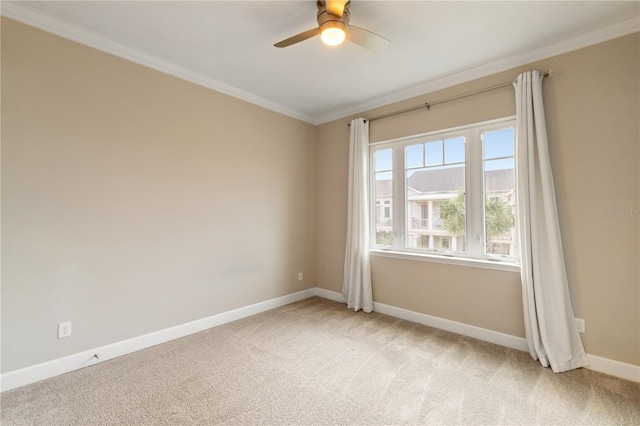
[[298, 38], [336, 7], [367, 39]]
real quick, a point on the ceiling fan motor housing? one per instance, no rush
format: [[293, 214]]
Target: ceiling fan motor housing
[[327, 20]]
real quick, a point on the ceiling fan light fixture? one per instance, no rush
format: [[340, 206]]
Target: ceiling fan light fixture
[[333, 33], [333, 28]]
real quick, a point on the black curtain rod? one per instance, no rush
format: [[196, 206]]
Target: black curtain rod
[[428, 105]]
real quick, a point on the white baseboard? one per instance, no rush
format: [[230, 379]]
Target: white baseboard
[[437, 322], [479, 333], [35, 373], [328, 294], [596, 363], [614, 368], [45, 370]]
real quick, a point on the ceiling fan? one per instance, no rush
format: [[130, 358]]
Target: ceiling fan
[[333, 28]]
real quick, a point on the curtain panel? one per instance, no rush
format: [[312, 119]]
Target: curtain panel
[[356, 287], [552, 336]]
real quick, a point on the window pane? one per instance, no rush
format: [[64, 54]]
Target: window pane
[[499, 143], [454, 150], [384, 175], [382, 160], [500, 193], [383, 188], [435, 203], [503, 163], [415, 156], [434, 153]]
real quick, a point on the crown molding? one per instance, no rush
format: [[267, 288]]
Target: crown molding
[[26, 15], [600, 35]]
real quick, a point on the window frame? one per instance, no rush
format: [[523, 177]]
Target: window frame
[[474, 192]]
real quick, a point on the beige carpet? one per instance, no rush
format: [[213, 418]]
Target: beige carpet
[[315, 362]]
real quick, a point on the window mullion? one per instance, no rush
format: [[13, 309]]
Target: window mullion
[[399, 198], [474, 195], [372, 199]]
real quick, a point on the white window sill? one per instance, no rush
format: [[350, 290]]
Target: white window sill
[[451, 260]]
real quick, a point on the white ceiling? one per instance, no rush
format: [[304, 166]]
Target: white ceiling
[[228, 45]]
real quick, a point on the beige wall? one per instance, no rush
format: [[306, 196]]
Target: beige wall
[[592, 111], [133, 201]]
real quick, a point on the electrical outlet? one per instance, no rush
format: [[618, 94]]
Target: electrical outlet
[[64, 329], [299, 276], [580, 325]]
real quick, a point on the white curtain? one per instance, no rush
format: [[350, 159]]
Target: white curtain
[[356, 287], [550, 327]]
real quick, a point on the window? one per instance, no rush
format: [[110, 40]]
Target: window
[[500, 190], [434, 173], [382, 169], [450, 192]]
